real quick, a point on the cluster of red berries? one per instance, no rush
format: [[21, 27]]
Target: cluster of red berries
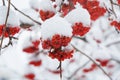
[[30, 76], [46, 14], [93, 8], [61, 55], [35, 62], [103, 63], [10, 31], [115, 24], [32, 49], [55, 46], [82, 2], [80, 29], [66, 8], [93, 67], [118, 1]]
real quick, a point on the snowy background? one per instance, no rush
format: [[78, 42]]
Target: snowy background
[[101, 42]]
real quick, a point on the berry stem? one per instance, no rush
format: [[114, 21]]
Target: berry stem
[[60, 70]]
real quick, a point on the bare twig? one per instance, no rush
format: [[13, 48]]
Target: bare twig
[[75, 72], [111, 1], [4, 29], [92, 61], [10, 41], [24, 14], [113, 43], [60, 67], [116, 4], [118, 61], [71, 5], [3, 2], [60, 70]]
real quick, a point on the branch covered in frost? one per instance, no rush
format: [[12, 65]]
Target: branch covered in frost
[[75, 72], [92, 61]]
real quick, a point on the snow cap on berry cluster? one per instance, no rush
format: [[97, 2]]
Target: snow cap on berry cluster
[[79, 15], [46, 5], [35, 3], [12, 19], [55, 25]]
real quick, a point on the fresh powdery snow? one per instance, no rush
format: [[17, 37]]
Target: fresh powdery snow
[[79, 15], [34, 3], [55, 25], [46, 5], [30, 12], [12, 19]]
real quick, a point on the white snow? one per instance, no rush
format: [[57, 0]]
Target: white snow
[[12, 19], [55, 25], [46, 5], [79, 15], [34, 3], [30, 12], [14, 62]]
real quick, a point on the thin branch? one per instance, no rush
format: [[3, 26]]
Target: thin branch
[[60, 70], [92, 61], [60, 67], [75, 72], [71, 5], [111, 2], [3, 2], [25, 14], [10, 41], [113, 43], [81, 38], [4, 29], [116, 60], [116, 4]]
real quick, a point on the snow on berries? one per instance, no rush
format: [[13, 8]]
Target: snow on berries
[[56, 35], [10, 31], [32, 48], [95, 10], [46, 10], [65, 9], [80, 20], [12, 26]]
